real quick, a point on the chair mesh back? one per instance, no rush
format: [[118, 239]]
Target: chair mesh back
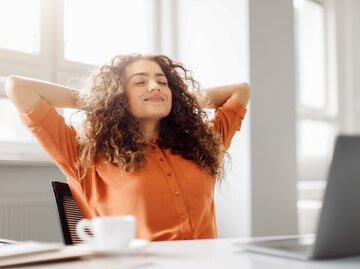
[[68, 212]]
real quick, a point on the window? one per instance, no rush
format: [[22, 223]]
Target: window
[[105, 24], [21, 32], [11, 131], [311, 55], [316, 107]]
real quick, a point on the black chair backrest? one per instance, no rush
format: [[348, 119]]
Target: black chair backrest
[[68, 212]]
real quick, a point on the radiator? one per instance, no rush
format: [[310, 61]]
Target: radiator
[[29, 219]]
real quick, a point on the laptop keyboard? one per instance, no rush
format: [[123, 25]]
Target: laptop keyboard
[[301, 249], [289, 245]]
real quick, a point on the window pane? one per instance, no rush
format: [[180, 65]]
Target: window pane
[[11, 129], [310, 31], [95, 31], [2, 86], [74, 117], [315, 139], [20, 25]]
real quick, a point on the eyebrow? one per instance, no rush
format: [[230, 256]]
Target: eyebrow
[[146, 75]]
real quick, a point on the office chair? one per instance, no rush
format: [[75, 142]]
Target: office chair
[[68, 212]]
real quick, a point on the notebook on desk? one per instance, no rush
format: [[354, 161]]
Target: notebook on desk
[[338, 231], [20, 253]]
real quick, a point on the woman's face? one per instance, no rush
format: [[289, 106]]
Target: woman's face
[[147, 89]]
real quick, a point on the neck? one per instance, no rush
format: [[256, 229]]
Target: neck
[[150, 130]]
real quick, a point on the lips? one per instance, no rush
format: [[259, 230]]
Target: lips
[[155, 98]]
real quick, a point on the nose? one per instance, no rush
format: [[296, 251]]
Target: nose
[[154, 86]]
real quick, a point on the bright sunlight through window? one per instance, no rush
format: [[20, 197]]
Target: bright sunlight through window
[[311, 54], [97, 30], [20, 25], [11, 128], [317, 137]]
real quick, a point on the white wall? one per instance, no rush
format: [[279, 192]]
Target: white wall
[[22, 187]]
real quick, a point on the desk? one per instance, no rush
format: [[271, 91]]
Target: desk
[[207, 254]]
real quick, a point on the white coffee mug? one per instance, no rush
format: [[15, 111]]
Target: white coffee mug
[[109, 232]]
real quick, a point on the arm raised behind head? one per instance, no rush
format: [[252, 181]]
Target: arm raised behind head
[[218, 95], [25, 93]]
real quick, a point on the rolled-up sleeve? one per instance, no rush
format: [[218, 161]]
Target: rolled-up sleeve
[[56, 138], [228, 119]]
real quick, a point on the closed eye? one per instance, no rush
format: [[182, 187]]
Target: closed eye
[[140, 83]]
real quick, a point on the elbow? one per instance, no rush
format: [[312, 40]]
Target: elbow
[[20, 94], [10, 86], [242, 93], [245, 90]]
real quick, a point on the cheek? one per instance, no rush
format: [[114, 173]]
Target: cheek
[[169, 94], [131, 99], [133, 103]]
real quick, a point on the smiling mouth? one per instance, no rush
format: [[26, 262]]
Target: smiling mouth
[[155, 99]]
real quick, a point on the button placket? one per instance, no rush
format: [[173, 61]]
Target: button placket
[[174, 188]]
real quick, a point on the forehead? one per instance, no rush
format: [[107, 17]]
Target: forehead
[[143, 66]]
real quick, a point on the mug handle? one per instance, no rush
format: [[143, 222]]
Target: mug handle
[[80, 230]]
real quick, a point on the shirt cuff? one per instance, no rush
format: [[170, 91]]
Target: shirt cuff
[[235, 106], [37, 114]]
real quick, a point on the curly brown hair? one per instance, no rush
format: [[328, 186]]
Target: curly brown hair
[[112, 133]]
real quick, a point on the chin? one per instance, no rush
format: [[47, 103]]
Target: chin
[[153, 116], [158, 114]]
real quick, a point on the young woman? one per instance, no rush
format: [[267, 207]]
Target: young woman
[[145, 149]]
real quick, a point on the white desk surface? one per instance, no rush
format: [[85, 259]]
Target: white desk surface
[[207, 254]]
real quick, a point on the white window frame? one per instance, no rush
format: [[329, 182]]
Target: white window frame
[[312, 183], [2, 86], [327, 114]]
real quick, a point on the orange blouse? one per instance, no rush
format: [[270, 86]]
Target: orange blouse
[[171, 198]]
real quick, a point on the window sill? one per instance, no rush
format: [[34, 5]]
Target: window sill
[[22, 160]]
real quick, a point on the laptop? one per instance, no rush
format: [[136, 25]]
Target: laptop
[[338, 231]]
